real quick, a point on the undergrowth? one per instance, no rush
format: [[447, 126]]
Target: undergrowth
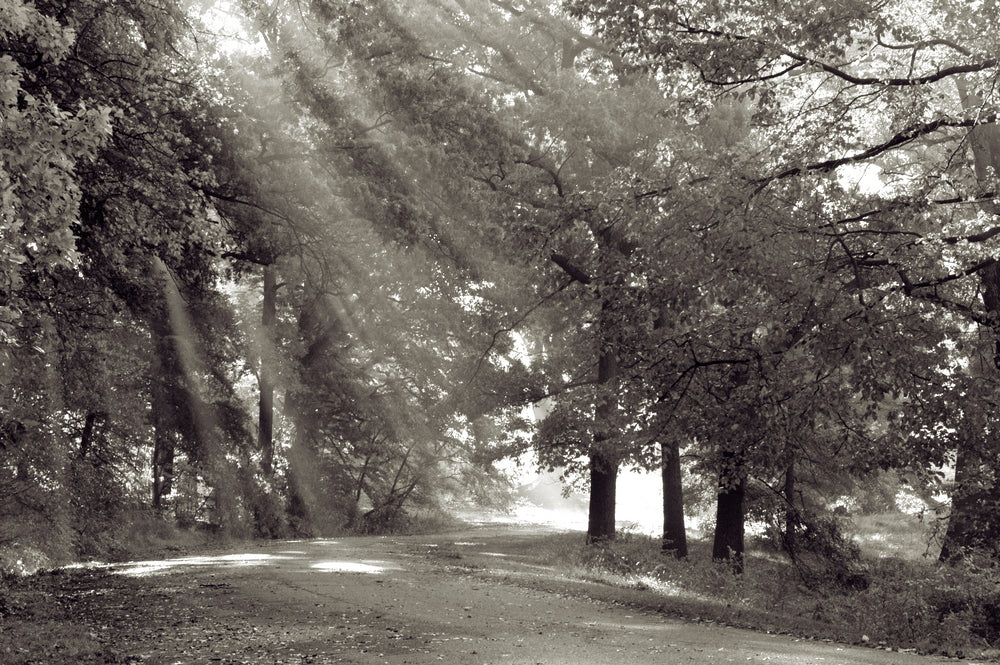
[[134, 534], [911, 604]]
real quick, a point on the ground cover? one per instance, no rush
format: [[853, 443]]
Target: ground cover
[[909, 603]]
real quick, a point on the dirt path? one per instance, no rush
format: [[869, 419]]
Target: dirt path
[[374, 601]]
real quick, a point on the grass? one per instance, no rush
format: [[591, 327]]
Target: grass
[[907, 601], [888, 535]]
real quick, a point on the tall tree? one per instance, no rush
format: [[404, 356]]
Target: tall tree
[[816, 73]]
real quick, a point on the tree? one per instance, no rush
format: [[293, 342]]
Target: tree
[[900, 240], [126, 229], [554, 171]]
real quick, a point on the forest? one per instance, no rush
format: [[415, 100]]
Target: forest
[[293, 268]]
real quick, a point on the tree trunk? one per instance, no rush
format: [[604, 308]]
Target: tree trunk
[[163, 467], [91, 430], [791, 514], [728, 544], [603, 462], [970, 524], [674, 536], [603, 492], [961, 533], [162, 416], [265, 420]]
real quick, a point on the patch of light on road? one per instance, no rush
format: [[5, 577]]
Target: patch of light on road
[[353, 567], [243, 558], [143, 568]]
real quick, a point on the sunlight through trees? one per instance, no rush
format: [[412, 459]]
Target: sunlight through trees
[[303, 268]]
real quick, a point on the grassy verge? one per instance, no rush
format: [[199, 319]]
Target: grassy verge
[[906, 602]]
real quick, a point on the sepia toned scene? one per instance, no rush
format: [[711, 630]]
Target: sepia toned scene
[[490, 332]]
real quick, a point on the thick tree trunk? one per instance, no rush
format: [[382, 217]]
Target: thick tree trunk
[[971, 524], [265, 420], [603, 492], [729, 515], [603, 462], [674, 536], [961, 533]]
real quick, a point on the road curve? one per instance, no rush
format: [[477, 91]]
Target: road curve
[[383, 600]]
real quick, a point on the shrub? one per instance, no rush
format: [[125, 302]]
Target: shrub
[[898, 602], [17, 560], [950, 609], [629, 554], [825, 558]]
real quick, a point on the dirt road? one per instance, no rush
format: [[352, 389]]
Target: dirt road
[[385, 600]]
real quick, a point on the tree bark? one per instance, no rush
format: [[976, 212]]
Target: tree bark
[[961, 532], [603, 492], [603, 462], [265, 420], [791, 514], [729, 515], [968, 526], [674, 536]]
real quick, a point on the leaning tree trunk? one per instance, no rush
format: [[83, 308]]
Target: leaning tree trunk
[[674, 536]]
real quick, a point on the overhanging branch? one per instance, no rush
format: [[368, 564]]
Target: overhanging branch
[[901, 138]]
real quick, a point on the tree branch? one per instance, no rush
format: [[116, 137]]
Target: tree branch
[[575, 272], [515, 324], [847, 76], [901, 138]]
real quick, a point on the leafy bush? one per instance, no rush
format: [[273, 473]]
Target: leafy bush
[[35, 533], [17, 560], [954, 609], [825, 557]]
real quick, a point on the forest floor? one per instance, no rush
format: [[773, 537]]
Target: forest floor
[[461, 598]]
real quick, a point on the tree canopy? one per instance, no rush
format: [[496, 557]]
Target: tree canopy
[[312, 279]]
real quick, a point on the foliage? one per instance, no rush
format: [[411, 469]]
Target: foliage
[[908, 604], [765, 231], [950, 609], [817, 97]]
